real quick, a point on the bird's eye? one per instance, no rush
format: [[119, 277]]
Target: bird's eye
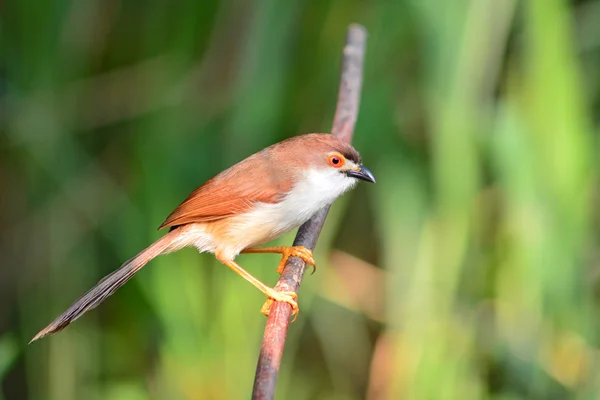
[[336, 160]]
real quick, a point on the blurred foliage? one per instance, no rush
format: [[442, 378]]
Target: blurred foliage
[[470, 270]]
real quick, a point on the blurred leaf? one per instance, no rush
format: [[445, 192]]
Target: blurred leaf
[[9, 351]]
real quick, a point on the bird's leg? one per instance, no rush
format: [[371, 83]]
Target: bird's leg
[[272, 294], [286, 252]]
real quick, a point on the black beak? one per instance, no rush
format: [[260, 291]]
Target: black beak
[[363, 173]]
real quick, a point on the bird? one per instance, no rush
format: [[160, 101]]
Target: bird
[[251, 203]]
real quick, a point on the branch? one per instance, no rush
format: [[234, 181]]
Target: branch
[[343, 127]]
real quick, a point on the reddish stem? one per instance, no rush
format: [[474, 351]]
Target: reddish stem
[[343, 127]]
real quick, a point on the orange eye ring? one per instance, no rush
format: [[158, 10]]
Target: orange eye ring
[[336, 160]]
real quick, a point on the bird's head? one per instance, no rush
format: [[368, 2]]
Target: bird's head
[[329, 155], [323, 165]]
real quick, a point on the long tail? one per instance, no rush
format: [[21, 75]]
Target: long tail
[[170, 242]]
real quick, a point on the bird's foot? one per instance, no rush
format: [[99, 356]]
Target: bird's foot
[[285, 297], [296, 251]]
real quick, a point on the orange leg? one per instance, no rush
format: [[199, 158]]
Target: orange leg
[[286, 252], [272, 294]]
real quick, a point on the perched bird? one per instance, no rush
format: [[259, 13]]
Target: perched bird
[[255, 201]]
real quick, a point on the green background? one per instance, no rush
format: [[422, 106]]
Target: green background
[[469, 271]]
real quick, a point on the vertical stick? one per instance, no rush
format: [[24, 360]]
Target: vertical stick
[[343, 127]]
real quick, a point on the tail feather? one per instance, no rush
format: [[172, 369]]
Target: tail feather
[[109, 284]]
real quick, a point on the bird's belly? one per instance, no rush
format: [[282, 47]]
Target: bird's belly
[[265, 223]]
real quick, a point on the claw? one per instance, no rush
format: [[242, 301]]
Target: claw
[[297, 251], [285, 297]]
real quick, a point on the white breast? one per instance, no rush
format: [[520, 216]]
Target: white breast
[[317, 189]]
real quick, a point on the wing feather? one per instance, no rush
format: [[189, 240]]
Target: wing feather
[[233, 191]]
